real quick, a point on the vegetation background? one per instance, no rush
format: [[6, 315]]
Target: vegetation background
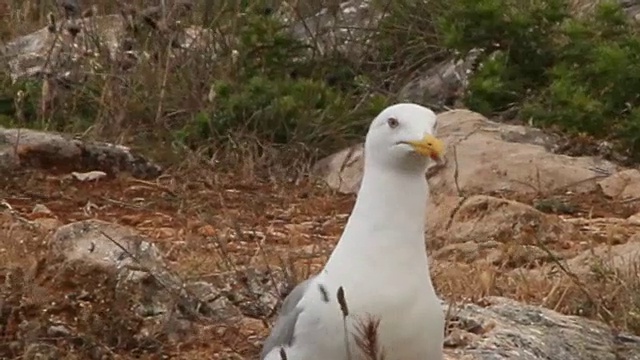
[[564, 65]]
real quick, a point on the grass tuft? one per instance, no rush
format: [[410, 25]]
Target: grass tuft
[[366, 339]]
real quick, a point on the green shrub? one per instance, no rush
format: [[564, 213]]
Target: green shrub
[[594, 84], [518, 37], [576, 74], [280, 93], [283, 111], [265, 47], [24, 94]]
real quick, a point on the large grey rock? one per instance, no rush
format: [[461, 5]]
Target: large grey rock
[[482, 219], [624, 185], [345, 27], [630, 7], [441, 85], [505, 329], [620, 258], [104, 244], [53, 151], [138, 266], [44, 51], [484, 156]]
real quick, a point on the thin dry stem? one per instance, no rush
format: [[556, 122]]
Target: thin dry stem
[[342, 301]]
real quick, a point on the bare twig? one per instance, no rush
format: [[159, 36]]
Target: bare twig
[[455, 171]]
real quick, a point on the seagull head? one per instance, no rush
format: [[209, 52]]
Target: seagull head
[[402, 136]]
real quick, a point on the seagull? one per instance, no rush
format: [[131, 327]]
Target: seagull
[[378, 273]]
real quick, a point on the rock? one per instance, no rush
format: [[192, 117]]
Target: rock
[[634, 219], [482, 218], [70, 58], [488, 157], [138, 267], [506, 329], [257, 293], [467, 251], [631, 8], [442, 84], [28, 54], [466, 224], [512, 159], [622, 258], [104, 244], [40, 209], [345, 28], [47, 224], [497, 231], [219, 307], [55, 152], [458, 338], [342, 171], [58, 331], [512, 256], [88, 176], [622, 185]]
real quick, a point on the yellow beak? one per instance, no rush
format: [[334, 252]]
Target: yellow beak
[[429, 146]]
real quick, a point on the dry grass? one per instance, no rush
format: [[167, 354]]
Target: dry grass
[[366, 338], [211, 226], [217, 213], [189, 220]]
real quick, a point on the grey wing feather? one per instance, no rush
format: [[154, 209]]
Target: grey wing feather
[[282, 331]]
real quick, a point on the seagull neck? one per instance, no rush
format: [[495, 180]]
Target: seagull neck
[[390, 200], [386, 227]]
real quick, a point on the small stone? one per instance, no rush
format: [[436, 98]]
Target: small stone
[[58, 331], [41, 209]]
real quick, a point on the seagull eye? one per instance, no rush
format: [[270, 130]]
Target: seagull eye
[[393, 122]]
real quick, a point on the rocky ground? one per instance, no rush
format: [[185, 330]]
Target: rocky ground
[[192, 263], [175, 267]]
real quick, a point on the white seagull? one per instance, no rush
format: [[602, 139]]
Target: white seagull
[[379, 267]]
